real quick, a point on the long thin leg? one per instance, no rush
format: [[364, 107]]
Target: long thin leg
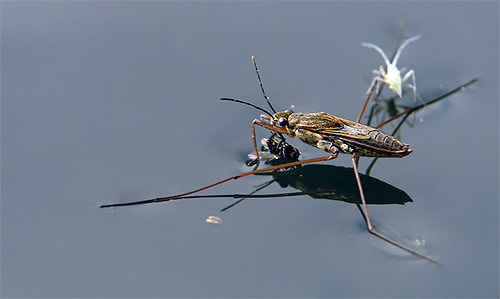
[[413, 109], [361, 193], [369, 92], [413, 86], [160, 199], [247, 196], [255, 151], [367, 218]]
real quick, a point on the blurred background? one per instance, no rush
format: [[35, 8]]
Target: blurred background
[[105, 102]]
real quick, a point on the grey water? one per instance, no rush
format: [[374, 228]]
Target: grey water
[[105, 102]]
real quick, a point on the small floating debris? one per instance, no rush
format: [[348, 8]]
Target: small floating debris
[[214, 220], [417, 242]]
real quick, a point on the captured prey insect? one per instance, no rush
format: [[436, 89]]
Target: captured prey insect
[[281, 149], [392, 76], [275, 152], [329, 133]]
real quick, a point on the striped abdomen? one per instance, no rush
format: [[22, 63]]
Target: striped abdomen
[[378, 144]]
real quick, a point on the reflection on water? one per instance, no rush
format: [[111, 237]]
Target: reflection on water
[[391, 230], [387, 108], [337, 183], [322, 182]]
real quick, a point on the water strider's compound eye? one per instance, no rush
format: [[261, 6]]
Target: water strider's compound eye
[[283, 122]]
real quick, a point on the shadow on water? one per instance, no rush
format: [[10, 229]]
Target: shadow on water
[[338, 183], [321, 182]]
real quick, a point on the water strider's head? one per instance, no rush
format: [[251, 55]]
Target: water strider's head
[[278, 118], [281, 118]]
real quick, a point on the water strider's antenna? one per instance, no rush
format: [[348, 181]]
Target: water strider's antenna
[[260, 83], [247, 103]]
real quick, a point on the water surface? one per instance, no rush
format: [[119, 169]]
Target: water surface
[[111, 102]]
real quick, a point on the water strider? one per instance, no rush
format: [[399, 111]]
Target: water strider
[[329, 133], [333, 135]]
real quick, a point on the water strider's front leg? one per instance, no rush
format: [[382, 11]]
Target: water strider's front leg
[[254, 139]]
